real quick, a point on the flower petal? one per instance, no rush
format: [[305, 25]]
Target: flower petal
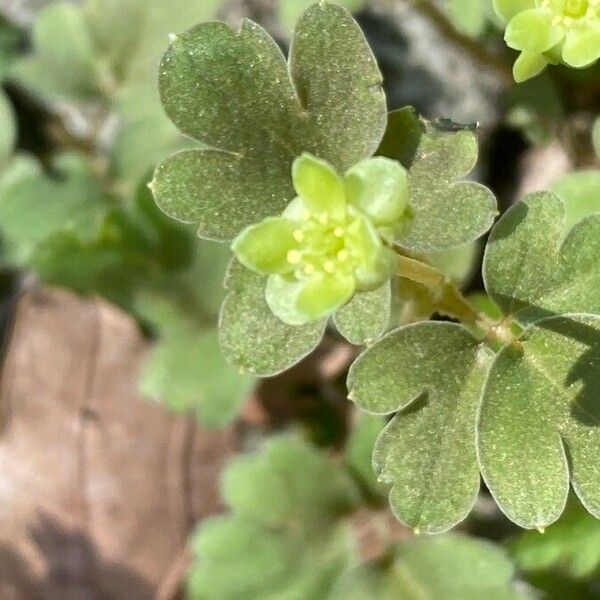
[[281, 294], [264, 247], [582, 47], [318, 184], [528, 65], [297, 302], [379, 188], [507, 9], [322, 295], [372, 276], [364, 239], [532, 31]]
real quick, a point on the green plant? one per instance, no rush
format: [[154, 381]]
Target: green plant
[[469, 397], [551, 31]]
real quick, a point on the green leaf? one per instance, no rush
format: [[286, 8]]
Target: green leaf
[[64, 64], [539, 421], [359, 451], [186, 370], [332, 107], [366, 317], [286, 483], [534, 267], [8, 128], [580, 193], [33, 207], [427, 451], [571, 545], [283, 539], [446, 212], [596, 136], [291, 10], [238, 558], [451, 567], [252, 337], [470, 17]]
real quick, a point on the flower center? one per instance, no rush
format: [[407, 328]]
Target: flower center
[[571, 12], [325, 245]]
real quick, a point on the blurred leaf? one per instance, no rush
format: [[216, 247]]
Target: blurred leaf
[[534, 107], [532, 270], [580, 193], [64, 63], [538, 422], [286, 483], [283, 538], [366, 317], [451, 567], [333, 107], [446, 213], [359, 453], [33, 207], [252, 337], [10, 40], [470, 17], [187, 371], [571, 545], [596, 136], [8, 129], [427, 451]]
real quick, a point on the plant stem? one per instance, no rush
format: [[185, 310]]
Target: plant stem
[[450, 301]]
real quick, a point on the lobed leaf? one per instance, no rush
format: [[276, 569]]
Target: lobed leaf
[[446, 212], [366, 317], [539, 421], [33, 207], [535, 267], [432, 373], [327, 101], [186, 370], [451, 567], [252, 337], [288, 482], [283, 538]]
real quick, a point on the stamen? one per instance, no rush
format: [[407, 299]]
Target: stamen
[[329, 266], [342, 255], [298, 235], [338, 232], [309, 269], [324, 219], [294, 257]]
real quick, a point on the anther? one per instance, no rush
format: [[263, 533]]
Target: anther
[[329, 266], [294, 257], [298, 235]]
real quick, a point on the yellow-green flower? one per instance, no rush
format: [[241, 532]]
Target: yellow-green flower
[[551, 31], [331, 241]]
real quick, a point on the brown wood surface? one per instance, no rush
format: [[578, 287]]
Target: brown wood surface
[[99, 488]]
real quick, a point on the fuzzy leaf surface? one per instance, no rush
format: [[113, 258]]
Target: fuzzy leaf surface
[[534, 266], [366, 316], [252, 337], [432, 373], [327, 101], [447, 212], [539, 423]]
